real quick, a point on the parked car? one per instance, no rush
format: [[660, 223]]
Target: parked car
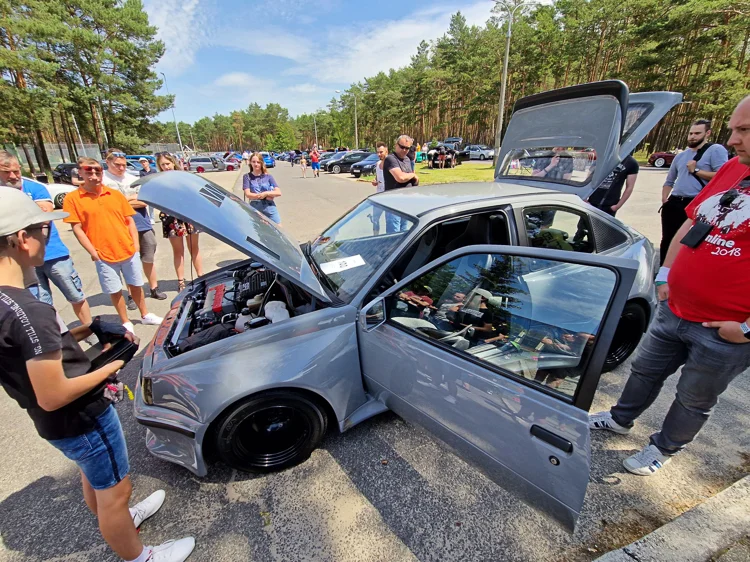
[[201, 164], [344, 164], [482, 311], [57, 191], [365, 167], [284, 157], [661, 159], [268, 160], [453, 140], [336, 156], [62, 172], [460, 156], [232, 163], [480, 152], [219, 164], [133, 167], [135, 157]]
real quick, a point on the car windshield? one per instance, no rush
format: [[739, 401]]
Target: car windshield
[[354, 247], [371, 158]]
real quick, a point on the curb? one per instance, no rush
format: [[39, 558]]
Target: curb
[[696, 535]]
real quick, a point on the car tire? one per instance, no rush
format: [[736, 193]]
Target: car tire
[[356, 175], [270, 431], [660, 162], [627, 336], [59, 198], [481, 157], [336, 169]]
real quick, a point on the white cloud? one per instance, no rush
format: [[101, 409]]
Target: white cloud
[[241, 79], [266, 40], [352, 55], [183, 27], [306, 88]]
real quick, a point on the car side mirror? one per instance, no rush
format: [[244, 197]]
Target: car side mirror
[[372, 315]]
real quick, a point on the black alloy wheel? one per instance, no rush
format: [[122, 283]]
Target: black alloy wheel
[[270, 432], [59, 198], [628, 334]]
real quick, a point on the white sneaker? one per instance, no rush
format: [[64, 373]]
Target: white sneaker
[[129, 327], [172, 551], [147, 507], [603, 420], [646, 462], [151, 319]]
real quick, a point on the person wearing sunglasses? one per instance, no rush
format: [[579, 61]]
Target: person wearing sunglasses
[[46, 372], [58, 266], [103, 223], [117, 177], [398, 173], [175, 230]]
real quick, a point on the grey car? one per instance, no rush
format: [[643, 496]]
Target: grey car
[[483, 312], [201, 164]]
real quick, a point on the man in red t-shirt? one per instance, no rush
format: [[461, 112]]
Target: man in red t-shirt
[[315, 161], [702, 320]]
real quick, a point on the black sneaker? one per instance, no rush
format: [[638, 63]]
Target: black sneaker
[[157, 294], [131, 304]]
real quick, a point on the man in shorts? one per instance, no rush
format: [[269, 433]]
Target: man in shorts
[[103, 224], [315, 162], [43, 368], [58, 266], [117, 178]]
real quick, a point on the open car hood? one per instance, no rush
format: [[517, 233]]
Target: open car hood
[[194, 199], [595, 126]]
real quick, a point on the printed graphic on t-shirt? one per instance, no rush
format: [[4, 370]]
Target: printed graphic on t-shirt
[[731, 219], [23, 318]]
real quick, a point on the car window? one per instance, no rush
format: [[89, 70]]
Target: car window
[[569, 165], [558, 229], [607, 236], [535, 324]]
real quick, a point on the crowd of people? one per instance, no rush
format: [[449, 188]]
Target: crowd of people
[[701, 323]]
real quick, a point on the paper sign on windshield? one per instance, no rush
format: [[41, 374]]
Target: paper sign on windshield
[[336, 266]]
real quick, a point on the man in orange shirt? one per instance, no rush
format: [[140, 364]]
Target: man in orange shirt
[[103, 224]]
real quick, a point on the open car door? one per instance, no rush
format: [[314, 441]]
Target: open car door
[[570, 139], [497, 350]]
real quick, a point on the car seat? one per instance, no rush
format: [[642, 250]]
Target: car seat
[[477, 232]]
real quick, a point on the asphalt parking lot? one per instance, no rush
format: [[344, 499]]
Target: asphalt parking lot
[[382, 491]]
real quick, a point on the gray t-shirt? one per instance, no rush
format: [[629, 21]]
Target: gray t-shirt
[[679, 178], [392, 161]]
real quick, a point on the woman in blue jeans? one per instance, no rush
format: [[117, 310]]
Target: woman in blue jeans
[[261, 189]]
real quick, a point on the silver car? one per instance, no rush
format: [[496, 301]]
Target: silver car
[[484, 312], [480, 152], [201, 164]]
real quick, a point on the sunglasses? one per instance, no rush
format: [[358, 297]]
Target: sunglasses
[[90, 169], [117, 154], [402, 147], [45, 228]]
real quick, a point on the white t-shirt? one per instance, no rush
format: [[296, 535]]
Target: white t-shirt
[[379, 176], [122, 184]]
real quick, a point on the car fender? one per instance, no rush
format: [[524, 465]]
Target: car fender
[[316, 352]]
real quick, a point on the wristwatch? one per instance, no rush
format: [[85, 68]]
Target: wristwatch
[[745, 329]]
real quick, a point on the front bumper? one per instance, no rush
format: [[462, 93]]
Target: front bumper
[[171, 436]]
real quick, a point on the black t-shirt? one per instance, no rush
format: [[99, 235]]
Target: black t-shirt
[[29, 328], [563, 167], [391, 162], [610, 190]]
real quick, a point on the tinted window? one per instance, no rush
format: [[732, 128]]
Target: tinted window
[[569, 165], [606, 235], [534, 319], [558, 229]]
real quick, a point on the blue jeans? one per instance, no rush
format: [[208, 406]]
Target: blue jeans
[[65, 277], [267, 209], [708, 362], [101, 454], [394, 223]]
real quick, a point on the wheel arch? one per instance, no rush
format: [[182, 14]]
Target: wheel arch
[[643, 303]]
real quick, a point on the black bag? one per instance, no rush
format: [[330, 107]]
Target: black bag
[[698, 156], [209, 335]]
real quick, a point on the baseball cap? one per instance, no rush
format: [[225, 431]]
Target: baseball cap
[[18, 211], [143, 159]]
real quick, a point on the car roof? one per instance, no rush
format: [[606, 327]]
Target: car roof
[[416, 201]]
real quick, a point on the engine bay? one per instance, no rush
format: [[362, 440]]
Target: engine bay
[[237, 300]]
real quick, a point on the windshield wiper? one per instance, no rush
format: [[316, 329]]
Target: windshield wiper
[[322, 277]]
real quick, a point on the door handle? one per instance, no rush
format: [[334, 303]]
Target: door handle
[[552, 438]]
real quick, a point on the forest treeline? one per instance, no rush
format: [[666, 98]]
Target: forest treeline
[[91, 62], [696, 47]]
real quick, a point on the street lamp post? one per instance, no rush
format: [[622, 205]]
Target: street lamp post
[[179, 140], [511, 8], [315, 124]]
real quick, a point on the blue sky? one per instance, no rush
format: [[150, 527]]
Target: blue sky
[[222, 55]]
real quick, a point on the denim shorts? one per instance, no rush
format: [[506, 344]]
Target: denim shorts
[[269, 210], [109, 273], [101, 454], [64, 276]]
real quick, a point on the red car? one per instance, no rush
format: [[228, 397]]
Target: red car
[[661, 159]]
